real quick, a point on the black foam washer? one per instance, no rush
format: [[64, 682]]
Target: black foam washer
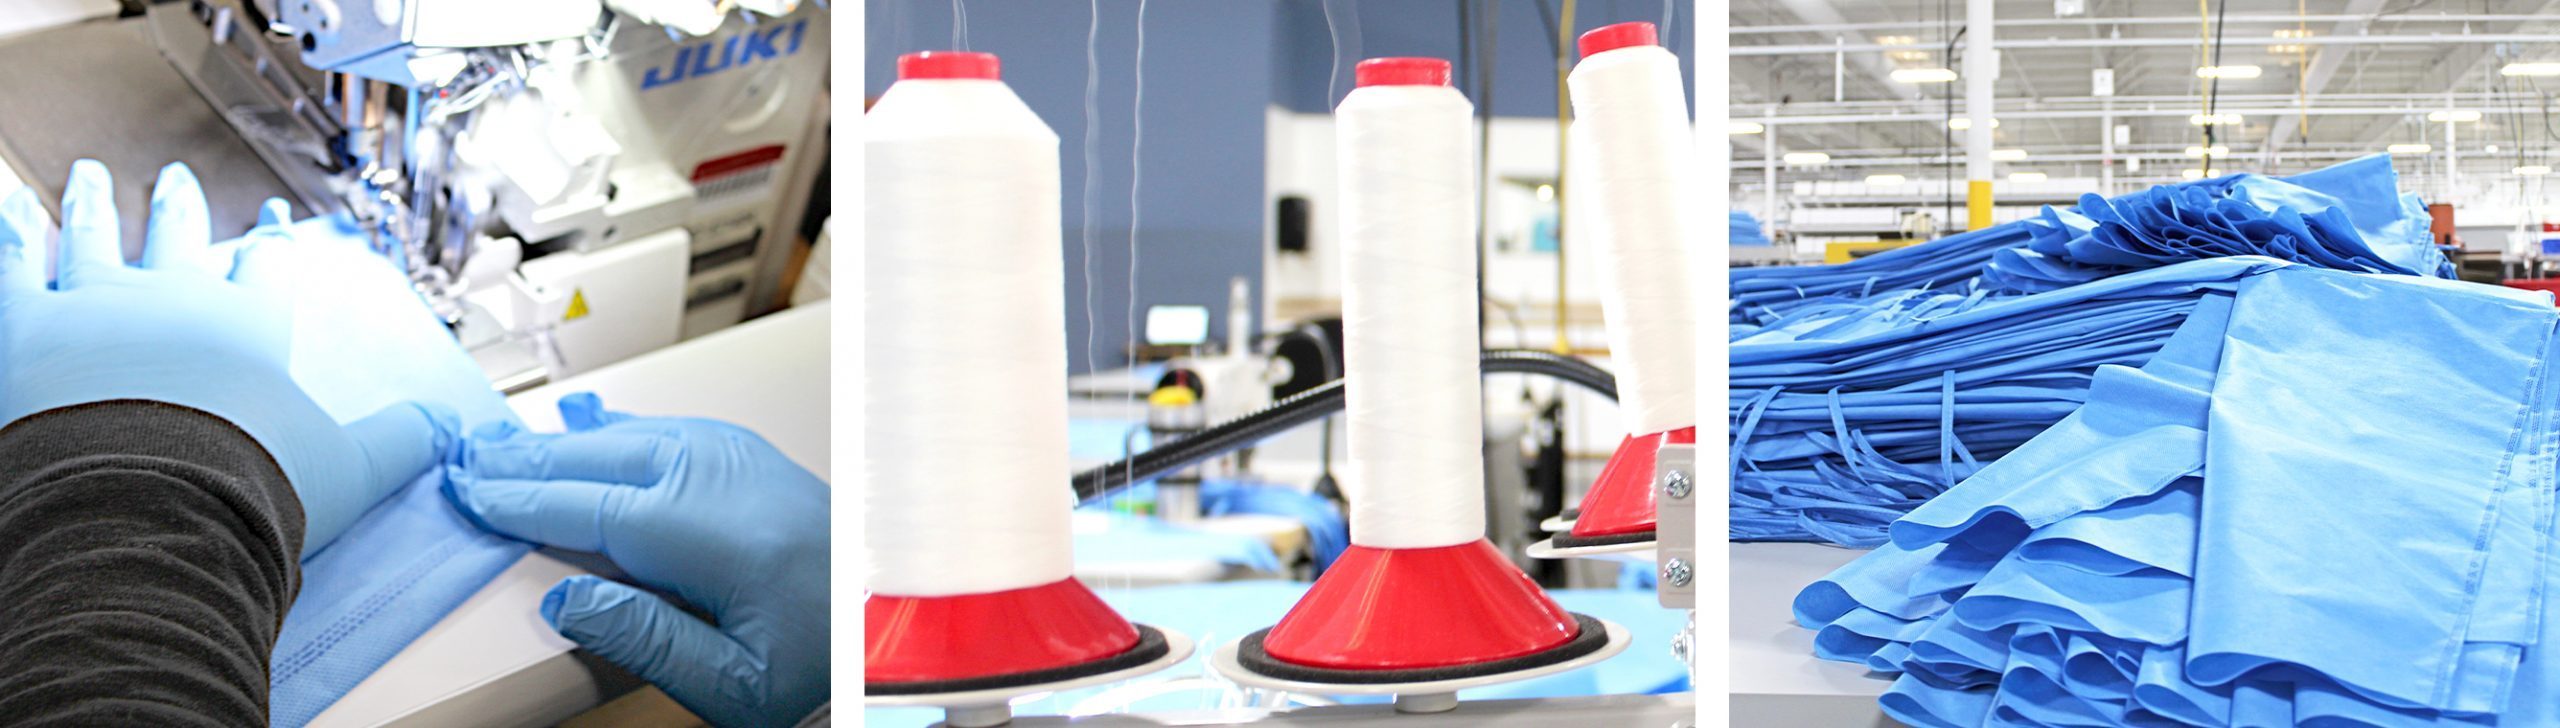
[[1570, 541], [1570, 514], [1151, 646], [1250, 654]]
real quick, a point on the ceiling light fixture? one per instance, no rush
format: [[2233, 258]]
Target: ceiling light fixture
[[2284, 49]]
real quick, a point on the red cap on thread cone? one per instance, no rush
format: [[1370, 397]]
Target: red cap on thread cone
[[1398, 609], [1621, 501], [925, 639], [949, 64], [1613, 37], [1400, 72]]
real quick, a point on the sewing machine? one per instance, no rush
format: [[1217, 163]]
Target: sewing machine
[[577, 193], [568, 188]]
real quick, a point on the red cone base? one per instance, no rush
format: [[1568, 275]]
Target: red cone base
[[919, 639], [1397, 609], [1621, 501]]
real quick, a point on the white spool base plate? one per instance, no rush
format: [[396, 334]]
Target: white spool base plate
[[1555, 524], [976, 708], [1428, 696], [1547, 550]]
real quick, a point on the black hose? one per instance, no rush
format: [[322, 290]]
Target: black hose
[[1309, 406]]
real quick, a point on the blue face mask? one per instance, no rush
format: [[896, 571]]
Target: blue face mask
[[2329, 497], [363, 340]]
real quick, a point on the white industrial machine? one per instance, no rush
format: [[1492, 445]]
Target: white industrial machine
[[567, 182], [573, 185], [1236, 379]]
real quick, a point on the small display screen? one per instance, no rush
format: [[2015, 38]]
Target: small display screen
[[1177, 325]]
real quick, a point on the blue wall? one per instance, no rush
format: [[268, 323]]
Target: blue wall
[[1524, 51], [1212, 68], [1208, 81]]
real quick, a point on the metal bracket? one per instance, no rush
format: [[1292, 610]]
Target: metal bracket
[[1676, 492]]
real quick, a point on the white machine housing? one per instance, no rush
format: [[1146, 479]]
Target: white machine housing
[[697, 154], [408, 42]]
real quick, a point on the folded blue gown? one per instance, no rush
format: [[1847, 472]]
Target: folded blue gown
[[2348, 216], [1836, 437], [1744, 229], [1861, 390], [2327, 501]]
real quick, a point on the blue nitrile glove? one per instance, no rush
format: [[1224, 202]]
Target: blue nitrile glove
[[175, 329], [703, 509]]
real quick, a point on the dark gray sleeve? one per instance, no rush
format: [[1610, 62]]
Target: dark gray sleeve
[[146, 563]]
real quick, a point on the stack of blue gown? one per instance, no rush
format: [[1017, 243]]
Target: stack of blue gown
[[2328, 500], [1841, 429], [1743, 229], [2350, 216], [1764, 294], [1861, 390]]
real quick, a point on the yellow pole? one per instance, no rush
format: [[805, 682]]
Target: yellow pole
[[1977, 204]]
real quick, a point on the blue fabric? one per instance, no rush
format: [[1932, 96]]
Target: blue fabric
[[2328, 501], [363, 340], [2239, 215], [1099, 439], [1862, 390], [2348, 216], [1328, 531], [1124, 538], [1949, 263], [1838, 431], [1214, 614], [1745, 230]]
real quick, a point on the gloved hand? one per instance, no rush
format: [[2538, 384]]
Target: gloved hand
[[174, 329], [703, 509]]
